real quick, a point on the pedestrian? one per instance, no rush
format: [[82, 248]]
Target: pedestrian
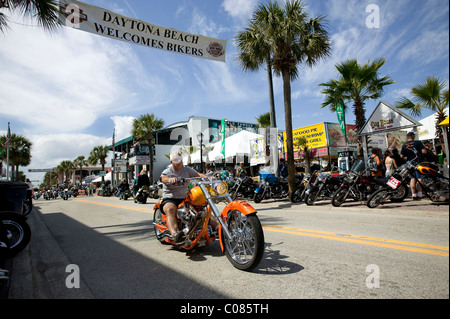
[[389, 163], [282, 168], [241, 171], [430, 156], [414, 150], [397, 158], [375, 163]]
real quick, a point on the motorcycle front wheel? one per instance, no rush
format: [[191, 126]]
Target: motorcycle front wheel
[[377, 198], [258, 197], [339, 197], [246, 247], [158, 219], [297, 194], [18, 232], [311, 198]]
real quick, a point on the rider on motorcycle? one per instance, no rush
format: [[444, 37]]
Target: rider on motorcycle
[[123, 187], [173, 192]]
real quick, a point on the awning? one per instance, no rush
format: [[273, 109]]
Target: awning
[[444, 122]]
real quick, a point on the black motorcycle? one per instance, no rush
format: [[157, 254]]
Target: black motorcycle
[[271, 187], [153, 190], [304, 183], [358, 185], [323, 187], [434, 185], [243, 187], [125, 194]]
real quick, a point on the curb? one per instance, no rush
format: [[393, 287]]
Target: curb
[[39, 271]]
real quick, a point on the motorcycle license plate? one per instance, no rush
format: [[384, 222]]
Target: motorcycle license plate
[[394, 183]]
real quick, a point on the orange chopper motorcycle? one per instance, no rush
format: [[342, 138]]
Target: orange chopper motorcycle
[[240, 233]]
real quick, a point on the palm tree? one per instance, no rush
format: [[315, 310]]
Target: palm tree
[[99, 154], [356, 83], [80, 161], [46, 12], [431, 95], [19, 151], [303, 151], [65, 168], [255, 51], [264, 120], [143, 129], [293, 39]]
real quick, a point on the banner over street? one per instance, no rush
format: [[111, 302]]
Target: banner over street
[[88, 18]]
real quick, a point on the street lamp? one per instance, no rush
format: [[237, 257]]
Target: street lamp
[[200, 139]]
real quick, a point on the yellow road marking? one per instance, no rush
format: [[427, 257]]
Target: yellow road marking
[[371, 241], [145, 210]]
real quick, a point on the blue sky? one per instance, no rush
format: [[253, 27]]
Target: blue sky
[[67, 91]]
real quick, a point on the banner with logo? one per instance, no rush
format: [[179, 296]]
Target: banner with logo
[[105, 23]]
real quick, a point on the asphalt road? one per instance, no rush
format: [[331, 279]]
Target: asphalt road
[[318, 252]]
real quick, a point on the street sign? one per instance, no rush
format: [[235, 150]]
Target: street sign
[[47, 170]]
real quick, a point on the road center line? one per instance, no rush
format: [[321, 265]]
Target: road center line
[[356, 239], [371, 241]]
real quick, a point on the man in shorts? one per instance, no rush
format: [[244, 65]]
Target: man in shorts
[[409, 150], [173, 193]]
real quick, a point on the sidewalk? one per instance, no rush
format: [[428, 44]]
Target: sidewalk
[[39, 271]]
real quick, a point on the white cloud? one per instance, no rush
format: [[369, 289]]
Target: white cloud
[[123, 125], [240, 9], [50, 150], [64, 82]]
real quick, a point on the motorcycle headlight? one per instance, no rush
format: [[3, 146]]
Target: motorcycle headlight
[[219, 189], [222, 188]]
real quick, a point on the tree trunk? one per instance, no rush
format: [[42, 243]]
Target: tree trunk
[[150, 157], [359, 114], [273, 118], [289, 137]]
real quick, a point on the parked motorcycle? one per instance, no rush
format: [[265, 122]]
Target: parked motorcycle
[[270, 187], [302, 186], [154, 190], [65, 194], [358, 185], [240, 233], [434, 185], [142, 195], [325, 185], [15, 233], [243, 187], [125, 194]]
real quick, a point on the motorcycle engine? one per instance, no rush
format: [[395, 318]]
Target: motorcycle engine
[[439, 189]]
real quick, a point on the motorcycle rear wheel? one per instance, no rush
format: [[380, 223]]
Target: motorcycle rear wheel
[[246, 248]]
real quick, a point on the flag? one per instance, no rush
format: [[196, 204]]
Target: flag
[[222, 134], [113, 142], [8, 136], [341, 118]]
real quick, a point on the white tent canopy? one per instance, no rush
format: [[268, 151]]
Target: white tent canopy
[[235, 145], [428, 130], [107, 178]]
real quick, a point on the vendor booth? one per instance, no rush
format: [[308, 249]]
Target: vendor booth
[[387, 118]]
